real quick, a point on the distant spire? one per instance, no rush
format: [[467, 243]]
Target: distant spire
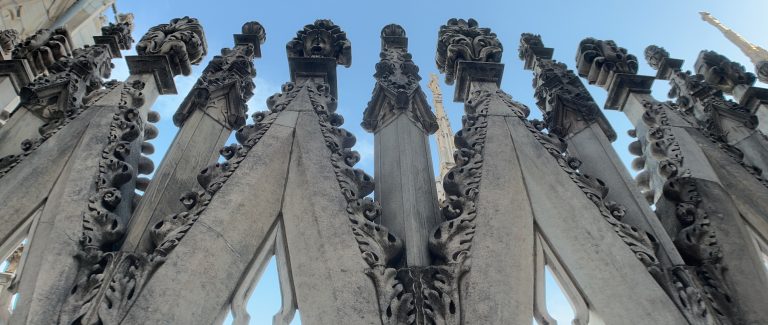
[[444, 135], [755, 53]]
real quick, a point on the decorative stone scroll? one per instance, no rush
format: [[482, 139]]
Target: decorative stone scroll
[[182, 41], [599, 60], [44, 48], [701, 291], [721, 72], [462, 40], [91, 300]]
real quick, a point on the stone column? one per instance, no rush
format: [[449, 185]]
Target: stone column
[[215, 106], [401, 120], [514, 175], [682, 177], [86, 212], [570, 113]]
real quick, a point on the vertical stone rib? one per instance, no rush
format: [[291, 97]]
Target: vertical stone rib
[[401, 121]]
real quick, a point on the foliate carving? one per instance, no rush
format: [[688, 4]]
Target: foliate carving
[[638, 241], [397, 85], [108, 283], [98, 298], [9, 38], [233, 68], [721, 72], [168, 233], [695, 239], [599, 60], [182, 40], [323, 39], [462, 40], [44, 48]]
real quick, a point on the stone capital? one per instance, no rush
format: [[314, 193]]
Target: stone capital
[[167, 50], [157, 65], [462, 40], [599, 61], [116, 36]]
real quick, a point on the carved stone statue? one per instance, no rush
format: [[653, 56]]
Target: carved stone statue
[[321, 39]]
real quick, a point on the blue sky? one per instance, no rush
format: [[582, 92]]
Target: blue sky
[[673, 24]]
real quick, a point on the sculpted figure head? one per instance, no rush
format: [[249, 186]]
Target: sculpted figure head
[[321, 39], [8, 40], [654, 55]]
